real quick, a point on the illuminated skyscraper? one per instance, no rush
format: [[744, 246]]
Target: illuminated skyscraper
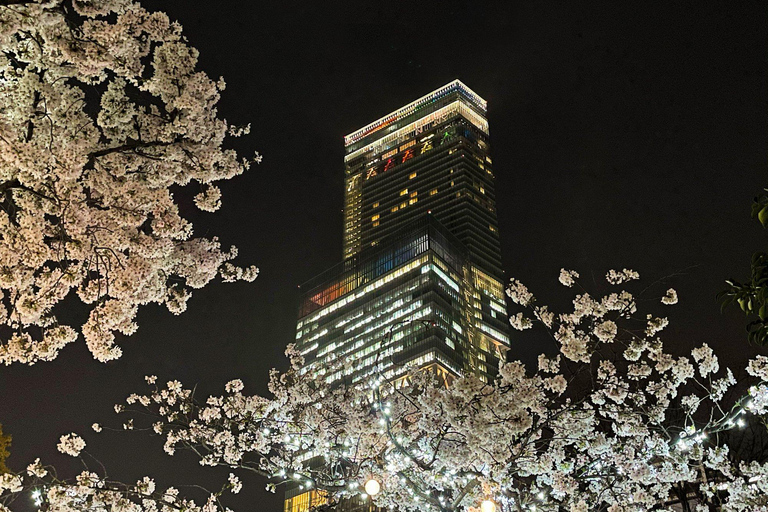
[[431, 155], [421, 282]]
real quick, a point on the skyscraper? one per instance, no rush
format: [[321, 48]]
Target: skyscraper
[[430, 155], [421, 282]]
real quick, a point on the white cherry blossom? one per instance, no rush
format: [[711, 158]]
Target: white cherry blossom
[[71, 444], [612, 422], [103, 114]]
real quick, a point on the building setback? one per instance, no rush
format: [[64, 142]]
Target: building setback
[[421, 282]]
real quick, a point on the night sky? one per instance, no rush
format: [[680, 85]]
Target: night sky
[[621, 135]]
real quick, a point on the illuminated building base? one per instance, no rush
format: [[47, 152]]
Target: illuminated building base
[[306, 499]]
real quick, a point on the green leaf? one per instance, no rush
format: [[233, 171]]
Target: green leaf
[[762, 216], [742, 304]]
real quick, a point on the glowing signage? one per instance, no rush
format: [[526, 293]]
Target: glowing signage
[[352, 182], [393, 159]]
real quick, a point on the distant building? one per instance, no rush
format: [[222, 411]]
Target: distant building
[[421, 283], [431, 155]]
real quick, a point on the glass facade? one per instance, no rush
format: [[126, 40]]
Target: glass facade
[[414, 299], [421, 281]]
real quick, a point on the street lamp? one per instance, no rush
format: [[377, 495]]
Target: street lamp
[[488, 506], [372, 487]]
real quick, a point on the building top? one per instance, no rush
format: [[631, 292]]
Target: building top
[[409, 109]]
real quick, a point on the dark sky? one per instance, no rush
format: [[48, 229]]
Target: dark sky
[[621, 135]]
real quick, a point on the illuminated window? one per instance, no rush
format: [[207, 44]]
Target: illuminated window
[[482, 190], [389, 154], [493, 229], [395, 208], [303, 502], [451, 182], [413, 175], [403, 205], [433, 192], [376, 204], [404, 191], [413, 200], [375, 217], [414, 193], [375, 223]]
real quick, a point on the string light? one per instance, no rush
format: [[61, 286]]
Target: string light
[[401, 452]]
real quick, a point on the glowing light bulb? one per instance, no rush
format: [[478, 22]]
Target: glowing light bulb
[[488, 506], [372, 487]]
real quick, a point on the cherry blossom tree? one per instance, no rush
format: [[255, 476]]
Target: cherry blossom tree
[[105, 123], [611, 422], [92, 491]]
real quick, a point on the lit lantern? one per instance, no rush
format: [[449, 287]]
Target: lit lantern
[[372, 487], [488, 506]]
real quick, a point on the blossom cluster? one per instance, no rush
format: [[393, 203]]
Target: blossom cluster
[[611, 422], [102, 115], [90, 491]]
